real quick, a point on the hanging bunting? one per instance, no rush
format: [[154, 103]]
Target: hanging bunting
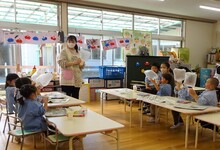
[[109, 44], [93, 43], [13, 38], [80, 40], [122, 42], [30, 37]]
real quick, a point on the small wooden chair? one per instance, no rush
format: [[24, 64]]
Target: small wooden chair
[[55, 138], [17, 130]]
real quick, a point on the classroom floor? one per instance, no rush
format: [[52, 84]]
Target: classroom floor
[[150, 137]]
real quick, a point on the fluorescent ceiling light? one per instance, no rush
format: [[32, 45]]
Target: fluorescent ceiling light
[[209, 8]]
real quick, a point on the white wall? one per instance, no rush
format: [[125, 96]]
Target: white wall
[[199, 40], [216, 35]]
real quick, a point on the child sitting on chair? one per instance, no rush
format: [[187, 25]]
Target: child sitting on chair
[[31, 111], [164, 89], [25, 80], [182, 92], [10, 92], [207, 98], [149, 86]]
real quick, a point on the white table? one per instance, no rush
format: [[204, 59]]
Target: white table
[[124, 93], [168, 103], [71, 102], [91, 123], [213, 118]]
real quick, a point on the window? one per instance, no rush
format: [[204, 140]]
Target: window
[[28, 12], [36, 13], [167, 45], [113, 56], [145, 23], [8, 58], [41, 56], [155, 47], [170, 27], [7, 11], [92, 65], [116, 21], [84, 18]]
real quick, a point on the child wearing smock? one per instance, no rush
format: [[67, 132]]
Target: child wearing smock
[[10, 92], [149, 86], [164, 89], [183, 93], [207, 98], [31, 111]]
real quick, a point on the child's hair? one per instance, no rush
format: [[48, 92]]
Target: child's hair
[[27, 89], [168, 77], [214, 82], [19, 83], [168, 66], [22, 81], [10, 77], [73, 38], [156, 65]]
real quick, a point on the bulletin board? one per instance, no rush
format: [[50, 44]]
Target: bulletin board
[[137, 40]]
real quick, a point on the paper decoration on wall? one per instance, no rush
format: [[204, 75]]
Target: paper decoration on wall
[[138, 39], [122, 42], [80, 40], [109, 44], [93, 44], [30, 37]]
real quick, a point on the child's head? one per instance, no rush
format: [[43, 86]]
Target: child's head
[[10, 79], [155, 67], [166, 78], [22, 81], [28, 91], [211, 83], [165, 67]]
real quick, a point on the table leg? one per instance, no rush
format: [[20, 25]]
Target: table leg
[[101, 101], [141, 119], [71, 143], [197, 131], [125, 103], [117, 139], [156, 113], [187, 131], [130, 112], [214, 133], [81, 141]]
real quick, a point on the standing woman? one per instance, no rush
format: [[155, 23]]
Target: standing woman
[[71, 68]]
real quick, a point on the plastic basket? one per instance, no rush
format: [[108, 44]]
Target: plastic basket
[[107, 72]]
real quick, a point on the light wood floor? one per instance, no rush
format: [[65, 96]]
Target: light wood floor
[[150, 137]]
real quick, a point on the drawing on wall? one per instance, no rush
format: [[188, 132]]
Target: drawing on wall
[[138, 39]]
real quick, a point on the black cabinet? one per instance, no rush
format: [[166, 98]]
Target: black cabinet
[[135, 65]]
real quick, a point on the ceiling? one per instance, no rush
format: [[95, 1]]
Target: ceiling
[[177, 7]]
